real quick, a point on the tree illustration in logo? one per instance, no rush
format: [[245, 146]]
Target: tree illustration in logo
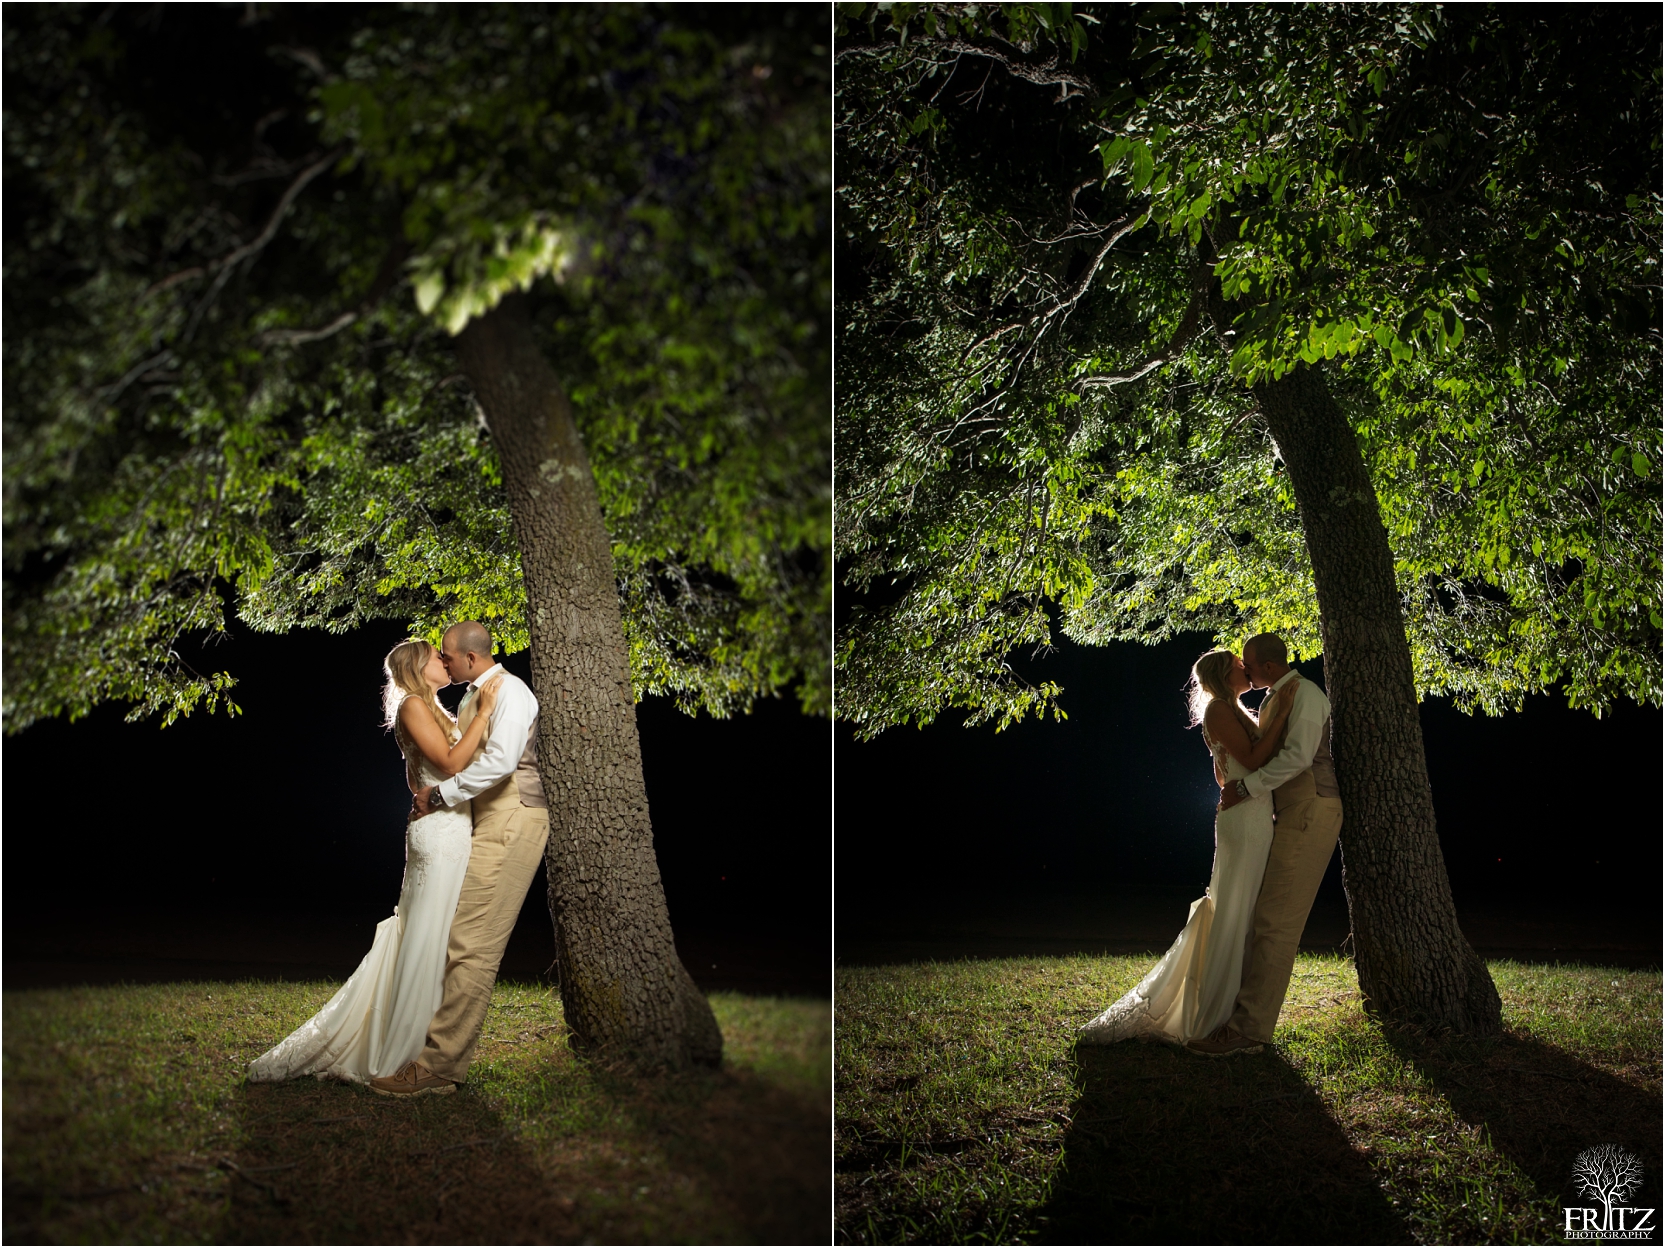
[[1608, 1174]]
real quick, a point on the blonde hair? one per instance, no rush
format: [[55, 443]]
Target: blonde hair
[[403, 669], [1208, 681]]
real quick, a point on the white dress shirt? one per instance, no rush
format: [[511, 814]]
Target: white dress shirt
[[1306, 727], [511, 724]]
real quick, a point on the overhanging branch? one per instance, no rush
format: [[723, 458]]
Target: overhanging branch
[[1188, 327], [1044, 73], [379, 287], [295, 188], [1121, 229], [296, 337], [223, 267], [1047, 73]]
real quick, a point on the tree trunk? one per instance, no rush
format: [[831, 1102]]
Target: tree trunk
[[1413, 961], [622, 984]]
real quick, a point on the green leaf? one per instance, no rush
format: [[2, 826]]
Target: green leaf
[[430, 286], [1114, 151], [1144, 164]]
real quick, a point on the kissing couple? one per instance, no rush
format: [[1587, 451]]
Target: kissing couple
[[408, 1020], [1220, 987]]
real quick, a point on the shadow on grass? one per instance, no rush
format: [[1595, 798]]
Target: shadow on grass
[[323, 1162], [1541, 1107], [1168, 1147], [328, 1163], [761, 1154], [127, 1121]]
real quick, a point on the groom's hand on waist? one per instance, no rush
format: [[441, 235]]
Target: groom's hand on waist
[[421, 803], [1229, 795]]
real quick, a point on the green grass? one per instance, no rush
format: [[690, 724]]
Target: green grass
[[127, 1120], [964, 1112]]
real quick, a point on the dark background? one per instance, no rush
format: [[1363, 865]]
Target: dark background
[[271, 843], [1096, 833]]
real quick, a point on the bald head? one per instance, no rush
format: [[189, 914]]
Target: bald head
[[1265, 659], [466, 651], [1266, 647]]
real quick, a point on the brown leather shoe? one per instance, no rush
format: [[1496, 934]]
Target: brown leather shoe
[[413, 1079], [1224, 1042]]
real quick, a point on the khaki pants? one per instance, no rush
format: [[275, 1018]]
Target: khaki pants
[[1302, 842], [502, 860]]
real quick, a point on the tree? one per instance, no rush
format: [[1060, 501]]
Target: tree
[[1338, 322], [265, 344]]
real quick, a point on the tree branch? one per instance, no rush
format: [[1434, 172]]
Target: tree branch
[[379, 287], [1045, 73], [1122, 229], [988, 338], [1122, 379], [113, 392], [306, 175], [226, 264], [295, 188], [296, 337], [1188, 328], [173, 280]]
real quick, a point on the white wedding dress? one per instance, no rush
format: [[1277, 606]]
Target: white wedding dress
[[1192, 990], [379, 1020]]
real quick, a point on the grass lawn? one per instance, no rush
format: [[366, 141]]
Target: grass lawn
[[964, 1112], [127, 1120]]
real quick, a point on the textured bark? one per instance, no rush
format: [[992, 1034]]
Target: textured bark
[[622, 984], [1413, 961]]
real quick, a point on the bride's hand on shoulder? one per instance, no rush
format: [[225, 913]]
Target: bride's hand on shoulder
[[1280, 711], [488, 694]]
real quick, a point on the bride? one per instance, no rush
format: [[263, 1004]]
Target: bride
[[1190, 992], [379, 1020]]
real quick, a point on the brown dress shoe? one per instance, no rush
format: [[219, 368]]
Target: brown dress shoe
[[413, 1079], [1224, 1042]]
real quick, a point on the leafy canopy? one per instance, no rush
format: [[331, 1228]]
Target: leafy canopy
[[1078, 237], [237, 257]]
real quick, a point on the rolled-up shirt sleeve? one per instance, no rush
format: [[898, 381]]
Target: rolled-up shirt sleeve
[[1306, 723], [511, 721]]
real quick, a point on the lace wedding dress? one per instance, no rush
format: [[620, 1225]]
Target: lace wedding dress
[[1192, 990], [379, 1019]]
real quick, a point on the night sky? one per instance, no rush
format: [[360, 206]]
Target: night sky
[[295, 809], [1550, 807]]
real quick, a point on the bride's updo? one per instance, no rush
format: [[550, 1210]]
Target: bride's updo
[[403, 669], [1209, 680]]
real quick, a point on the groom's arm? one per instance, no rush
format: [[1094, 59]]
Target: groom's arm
[[511, 720], [1306, 724]]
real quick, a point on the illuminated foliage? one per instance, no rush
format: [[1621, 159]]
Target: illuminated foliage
[[230, 293], [1075, 238]]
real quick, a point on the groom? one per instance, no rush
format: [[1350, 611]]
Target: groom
[[511, 826], [1307, 806]]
